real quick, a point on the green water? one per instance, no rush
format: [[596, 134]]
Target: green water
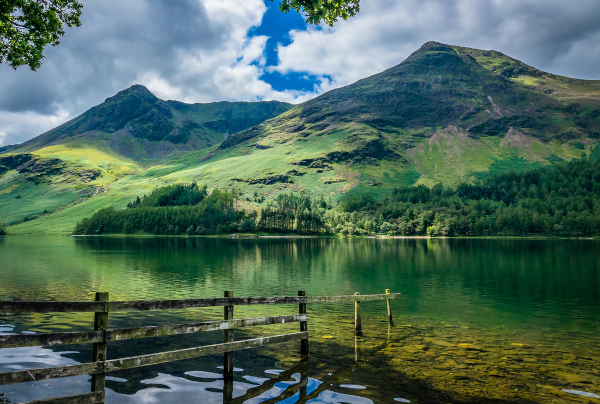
[[531, 309]]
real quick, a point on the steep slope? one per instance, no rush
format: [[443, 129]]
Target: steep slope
[[446, 114], [138, 125]]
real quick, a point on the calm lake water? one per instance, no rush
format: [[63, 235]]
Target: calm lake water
[[480, 321]]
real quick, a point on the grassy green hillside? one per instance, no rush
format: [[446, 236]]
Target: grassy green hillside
[[446, 114]]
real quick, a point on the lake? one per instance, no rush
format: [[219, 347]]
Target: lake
[[480, 321]]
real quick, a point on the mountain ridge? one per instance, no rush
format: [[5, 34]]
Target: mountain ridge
[[136, 115], [432, 110], [494, 80]]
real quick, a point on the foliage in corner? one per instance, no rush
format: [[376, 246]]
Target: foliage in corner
[[2, 232], [322, 10], [28, 26]]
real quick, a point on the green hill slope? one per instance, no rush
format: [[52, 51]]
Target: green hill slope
[[446, 114]]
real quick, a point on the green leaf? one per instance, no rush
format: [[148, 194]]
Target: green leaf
[[28, 26], [317, 11]]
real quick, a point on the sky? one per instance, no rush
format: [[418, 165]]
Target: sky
[[247, 50]]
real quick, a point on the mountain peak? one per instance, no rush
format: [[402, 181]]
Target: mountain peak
[[135, 90], [431, 44], [430, 49], [139, 89]]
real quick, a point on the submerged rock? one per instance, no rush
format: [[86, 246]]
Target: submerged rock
[[582, 393]]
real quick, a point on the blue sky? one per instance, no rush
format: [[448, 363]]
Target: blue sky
[[277, 26]]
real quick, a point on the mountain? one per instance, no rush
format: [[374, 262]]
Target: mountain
[[446, 114], [137, 124]]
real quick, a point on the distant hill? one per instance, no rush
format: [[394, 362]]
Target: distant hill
[[137, 124], [446, 114]]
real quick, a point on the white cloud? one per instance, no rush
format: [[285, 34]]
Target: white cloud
[[15, 126]]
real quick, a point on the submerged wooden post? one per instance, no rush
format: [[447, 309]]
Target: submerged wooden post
[[303, 324], [303, 381], [389, 307], [100, 348], [227, 391], [357, 321], [357, 347], [228, 337]]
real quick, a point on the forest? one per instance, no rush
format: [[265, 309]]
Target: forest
[[561, 200], [191, 210]]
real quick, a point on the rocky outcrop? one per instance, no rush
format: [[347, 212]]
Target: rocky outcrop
[[42, 169]]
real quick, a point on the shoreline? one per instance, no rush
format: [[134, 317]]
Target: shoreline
[[255, 236]]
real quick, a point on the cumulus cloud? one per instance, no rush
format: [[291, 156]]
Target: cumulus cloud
[[17, 127], [188, 50], [553, 35]]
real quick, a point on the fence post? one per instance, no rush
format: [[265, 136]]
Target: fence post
[[389, 307], [303, 324], [357, 321], [100, 348], [228, 337]]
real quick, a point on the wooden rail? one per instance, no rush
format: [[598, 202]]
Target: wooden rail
[[144, 305], [89, 337], [101, 335], [87, 398]]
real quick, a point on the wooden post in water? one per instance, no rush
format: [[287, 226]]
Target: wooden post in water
[[227, 391], [303, 381], [303, 324], [389, 307], [357, 321], [100, 348], [357, 347], [228, 337]]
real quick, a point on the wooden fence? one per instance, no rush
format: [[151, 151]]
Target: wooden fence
[[101, 335]]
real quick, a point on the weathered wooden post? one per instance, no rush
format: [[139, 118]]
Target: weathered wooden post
[[228, 337], [100, 348], [303, 324], [389, 307], [357, 321]]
